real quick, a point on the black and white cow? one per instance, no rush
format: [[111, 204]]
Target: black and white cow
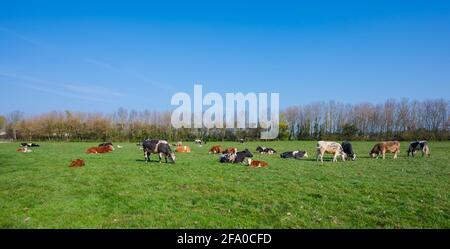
[[241, 155], [227, 158], [348, 149], [241, 141], [419, 145], [160, 147], [298, 154], [199, 142], [29, 145], [264, 150], [106, 144]]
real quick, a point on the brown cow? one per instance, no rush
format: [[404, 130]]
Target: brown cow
[[24, 150], [215, 149], [100, 149], [77, 163], [230, 150], [183, 149], [257, 164], [384, 147]]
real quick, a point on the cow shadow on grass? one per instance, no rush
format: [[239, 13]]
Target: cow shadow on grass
[[151, 161]]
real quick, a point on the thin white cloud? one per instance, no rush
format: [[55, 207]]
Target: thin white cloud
[[85, 92], [22, 37], [63, 93], [130, 73], [93, 90]]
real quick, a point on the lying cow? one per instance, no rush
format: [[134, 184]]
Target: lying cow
[[100, 149], [77, 163], [385, 147], [230, 150], [228, 158], [183, 149], [419, 145], [217, 149], [348, 150], [24, 150], [256, 164], [106, 144], [240, 156], [264, 150], [29, 145], [298, 154], [160, 147], [330, 148]]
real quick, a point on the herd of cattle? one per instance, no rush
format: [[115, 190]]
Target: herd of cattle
[[232, 155]]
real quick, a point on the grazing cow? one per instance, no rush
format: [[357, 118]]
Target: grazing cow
[[100, 149], [383, 147], [240, 156], [230, 150], [330, 148], [77, 163], [241, 140], [298, 154], [348, 150], [29, 145], [183, 149], [217, 149], [256, 164], [161, 147], [24, 150], [419, 145], [264, 150], [199, 142]]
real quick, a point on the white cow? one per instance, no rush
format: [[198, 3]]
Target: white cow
[[330, 148]]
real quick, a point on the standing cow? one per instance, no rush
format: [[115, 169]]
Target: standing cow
[[330, 148], [385, 147], [419, 145], [161, 147], [348, 150]]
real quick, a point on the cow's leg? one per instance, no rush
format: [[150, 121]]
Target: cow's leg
[[343, 157], [395, 154], [160, 158]]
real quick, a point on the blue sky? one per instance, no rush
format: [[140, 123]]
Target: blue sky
[[99, 56]]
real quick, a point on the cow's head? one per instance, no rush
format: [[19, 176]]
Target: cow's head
[[350, 157], [248, 153], [172, 157], [306, 154]]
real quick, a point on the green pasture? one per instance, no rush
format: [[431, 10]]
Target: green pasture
[[120, 190]]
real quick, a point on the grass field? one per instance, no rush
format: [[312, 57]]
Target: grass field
[[119, 190]]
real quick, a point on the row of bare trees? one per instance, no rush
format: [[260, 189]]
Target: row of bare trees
[[403, 120]]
